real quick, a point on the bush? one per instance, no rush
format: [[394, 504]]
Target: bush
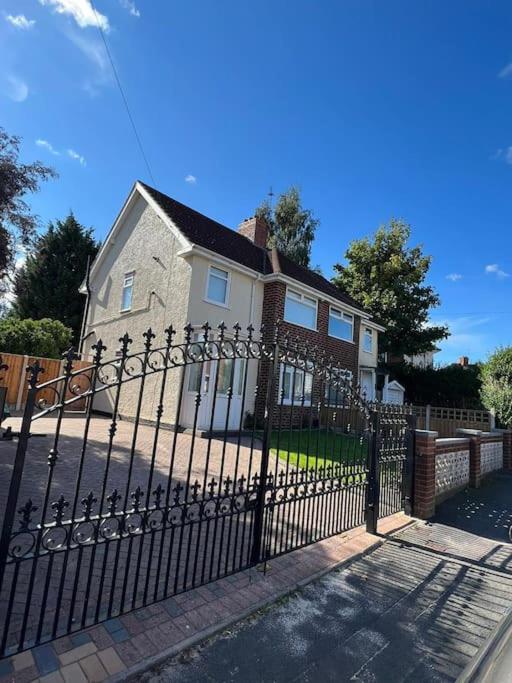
[[44, 338], [496, 390], [451, 386]]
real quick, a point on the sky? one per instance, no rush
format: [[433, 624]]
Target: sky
[[373, 109]]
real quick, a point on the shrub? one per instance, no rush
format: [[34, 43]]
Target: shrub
[[497, 384], [44, 338], [451, 386]]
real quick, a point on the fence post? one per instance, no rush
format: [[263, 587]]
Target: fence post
[[428, 410], [373, 496], [21, 383], [17, 473], [408, 475], [259, 513]]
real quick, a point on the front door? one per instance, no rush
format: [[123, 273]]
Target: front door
[[367, 384], [200, 378]]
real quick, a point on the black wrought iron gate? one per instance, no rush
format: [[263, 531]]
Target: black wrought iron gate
[[222, 450]]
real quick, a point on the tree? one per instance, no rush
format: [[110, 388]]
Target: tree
[[387, 277], [497, 384], [44, 338], [17, 222], [291, 228], [47, 285], [450, 386]]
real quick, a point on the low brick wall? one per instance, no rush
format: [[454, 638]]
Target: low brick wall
[[445, 466], [452, 467]]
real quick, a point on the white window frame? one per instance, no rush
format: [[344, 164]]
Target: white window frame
[[225, 304], [367, 331], [306, 300], [127, 276], [349, 376], [288, 401], [340, 314]]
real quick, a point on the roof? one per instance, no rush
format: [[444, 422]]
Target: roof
[[209, 234]]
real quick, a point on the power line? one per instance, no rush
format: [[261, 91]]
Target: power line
[[137, 137]]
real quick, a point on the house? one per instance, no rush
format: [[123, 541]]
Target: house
[[164, 262]]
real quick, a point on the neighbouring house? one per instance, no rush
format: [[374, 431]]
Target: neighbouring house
[[164, 262]]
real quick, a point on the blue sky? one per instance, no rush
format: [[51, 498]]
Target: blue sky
[[374, 109]]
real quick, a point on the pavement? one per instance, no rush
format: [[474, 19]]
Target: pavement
[[418, 608]]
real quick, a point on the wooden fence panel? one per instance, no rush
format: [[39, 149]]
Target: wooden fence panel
[[14, 374]]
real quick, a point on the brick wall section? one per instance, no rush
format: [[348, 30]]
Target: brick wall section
[[507, 449], [475, 443], [425, 474], [342, 352]]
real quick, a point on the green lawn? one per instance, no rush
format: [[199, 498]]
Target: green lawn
[[303, 448]]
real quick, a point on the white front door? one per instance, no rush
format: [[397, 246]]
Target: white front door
[[367, 384], [200, 378], [231, 374]]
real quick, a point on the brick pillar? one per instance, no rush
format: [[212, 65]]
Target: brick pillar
[[475, 444], [425, 474], [507, 447]]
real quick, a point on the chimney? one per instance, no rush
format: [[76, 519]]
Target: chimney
[[255, 229], [464, 361]]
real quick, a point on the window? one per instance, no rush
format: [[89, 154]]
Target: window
[[217, 287], [335, 392], [368, 340], [341, 325], [294, 382], [300, 309], [126, 299]]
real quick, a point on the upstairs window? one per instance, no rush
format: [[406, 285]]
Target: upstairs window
[[341, 324], [368, 340], [126, 298], [217, 286], [300, 309]]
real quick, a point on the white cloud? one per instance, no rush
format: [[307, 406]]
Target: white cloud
[[20, 21], [80, 10], [494, 269], [468, 337], [506, 72], [454, 277], [94, 50], [77, 157], [14, 88], [130, 6], [47, 145], [190, 179]]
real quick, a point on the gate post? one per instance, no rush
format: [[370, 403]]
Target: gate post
[[19, 463], [265, 449], [372, 506], [408, 475]]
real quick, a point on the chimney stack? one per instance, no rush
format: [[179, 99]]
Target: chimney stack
[[256, 230], [464, 361]]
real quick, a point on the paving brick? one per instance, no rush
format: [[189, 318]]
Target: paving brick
[[25, 675], [80, 639], [101, 637], [72, 673], [120, 636], [111, 661], [54, 677], [128, 654], [113, 625], [77, 653], [23, 660], [171, 607], [6, 667], [93, 669], [46, 659]]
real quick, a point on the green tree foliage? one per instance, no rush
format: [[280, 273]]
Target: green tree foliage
[[17, 223], [44, 338], [451, 386], [47, 285], [497, 384], [387, 277], [291, 228]]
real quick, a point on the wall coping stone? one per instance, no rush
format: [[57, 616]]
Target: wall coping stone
[[426, 432], [498, 431], [452, 440], [470, 432]]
